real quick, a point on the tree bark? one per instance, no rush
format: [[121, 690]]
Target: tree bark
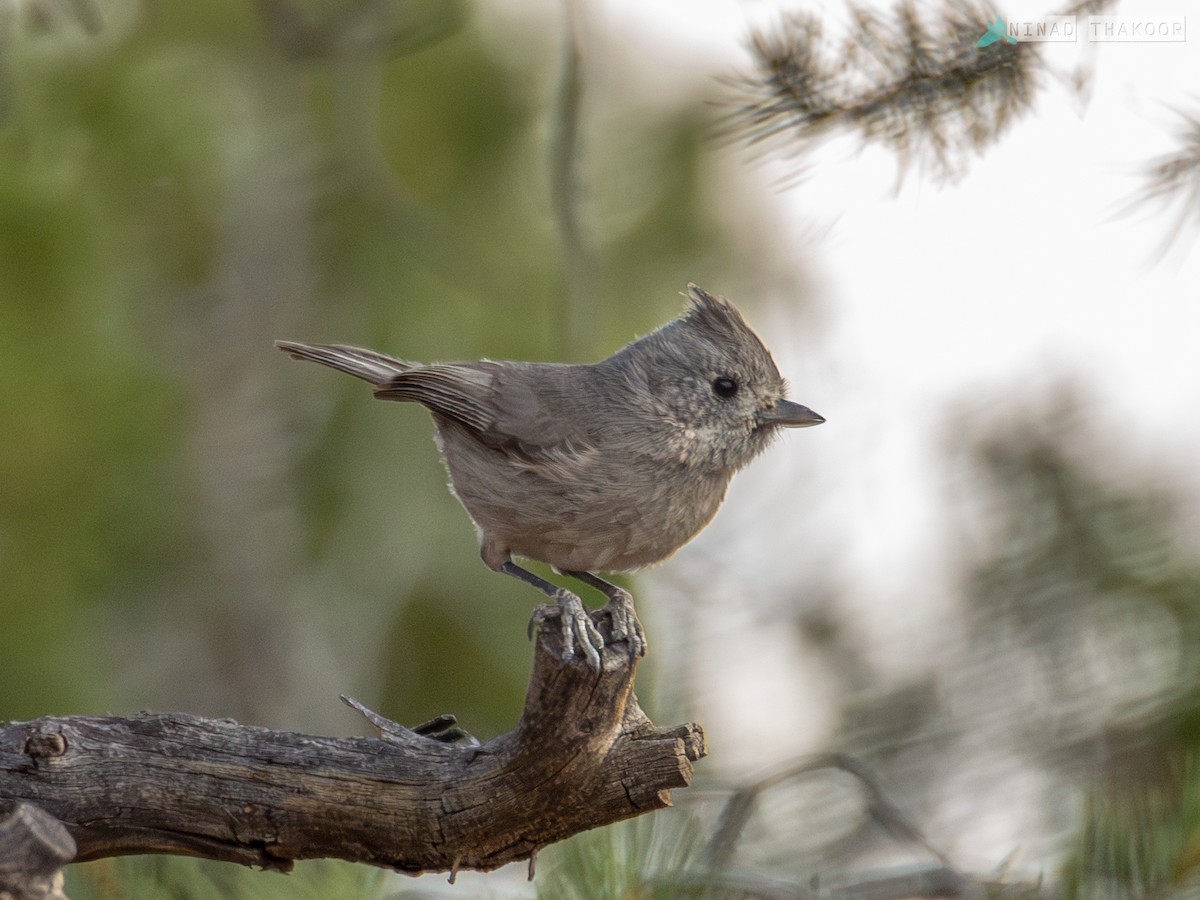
[[583, 755]]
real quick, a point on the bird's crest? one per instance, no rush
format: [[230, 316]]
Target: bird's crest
[[714, 314]]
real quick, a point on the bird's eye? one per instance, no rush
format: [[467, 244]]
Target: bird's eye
[[724, 387]]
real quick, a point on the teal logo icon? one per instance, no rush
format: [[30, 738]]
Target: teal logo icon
[[995, 31]]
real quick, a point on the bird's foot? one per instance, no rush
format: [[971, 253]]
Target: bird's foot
[[624, 621], [578, 631]]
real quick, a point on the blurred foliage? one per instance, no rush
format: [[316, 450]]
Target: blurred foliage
[[651, 857], [1140, 837], [153, 877], [1100, 591], [1097, 588], [1088, 613], [433, 655]]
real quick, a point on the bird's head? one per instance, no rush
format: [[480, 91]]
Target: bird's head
[[715, 386]]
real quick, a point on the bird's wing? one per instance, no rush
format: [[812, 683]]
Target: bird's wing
[[519, 407], [457, 391]]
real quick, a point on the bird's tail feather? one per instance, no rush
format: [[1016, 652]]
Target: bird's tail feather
[[357, 361]]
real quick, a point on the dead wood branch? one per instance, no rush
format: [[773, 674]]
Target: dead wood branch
[[583, 755]]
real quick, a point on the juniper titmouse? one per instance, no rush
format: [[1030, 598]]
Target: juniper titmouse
[[607, 466]]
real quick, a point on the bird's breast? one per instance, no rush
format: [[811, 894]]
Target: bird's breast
[[592, 511]]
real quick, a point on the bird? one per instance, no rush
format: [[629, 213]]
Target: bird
[[597, 467]]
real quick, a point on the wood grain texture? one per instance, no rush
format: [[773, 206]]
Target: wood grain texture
[[583, 755]]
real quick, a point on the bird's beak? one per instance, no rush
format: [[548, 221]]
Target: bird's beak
[[787, 414]]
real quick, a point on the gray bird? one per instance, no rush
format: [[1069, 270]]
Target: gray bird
[[606, 466]]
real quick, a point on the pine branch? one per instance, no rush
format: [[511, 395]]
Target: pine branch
[[1173, 180], [924, 90]]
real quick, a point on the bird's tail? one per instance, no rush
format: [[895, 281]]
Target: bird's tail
[[357, 361]]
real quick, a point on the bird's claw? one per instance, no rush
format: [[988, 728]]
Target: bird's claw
[[578, 630], [625, 624]]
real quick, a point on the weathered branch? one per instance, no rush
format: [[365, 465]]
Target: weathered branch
[[583, 755]]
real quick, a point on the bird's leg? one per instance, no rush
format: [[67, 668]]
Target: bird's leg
[[578, 631], [619, 609]]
